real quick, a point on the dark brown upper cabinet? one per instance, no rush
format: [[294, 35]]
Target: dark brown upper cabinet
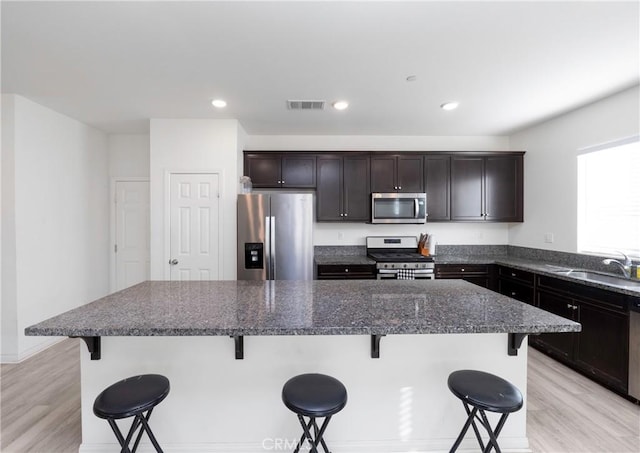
[[487, 188], [437, 172], [343, 189], [461, 186], [273, 170], [397, 173]]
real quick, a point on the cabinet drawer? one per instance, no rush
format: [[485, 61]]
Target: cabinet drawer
[[460, 270], [346, 271], [517, 290], [516, 274], [590, 294]]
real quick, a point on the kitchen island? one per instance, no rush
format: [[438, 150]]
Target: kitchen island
[[421, 331]]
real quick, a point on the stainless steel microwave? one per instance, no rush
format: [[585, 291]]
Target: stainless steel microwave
[[398, 207]]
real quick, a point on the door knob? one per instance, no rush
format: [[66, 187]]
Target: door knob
[[173, 262]]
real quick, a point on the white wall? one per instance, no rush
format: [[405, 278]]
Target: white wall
[[58, 248], [355, 233], [9, 307], [194, 145], [550, 166], [129, 155]]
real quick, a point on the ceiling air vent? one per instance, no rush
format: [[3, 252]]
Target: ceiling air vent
[[305, 105]]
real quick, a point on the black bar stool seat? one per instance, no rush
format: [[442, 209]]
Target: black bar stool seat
[[136, 396], [314, 396], [484, 392]]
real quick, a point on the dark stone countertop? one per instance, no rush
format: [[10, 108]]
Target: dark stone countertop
[[302, 308], [539, 267]]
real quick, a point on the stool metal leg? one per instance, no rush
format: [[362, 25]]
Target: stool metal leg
[[493, 434], [317, 438], [121, 440], [479, 414], [307, 434], [321, 434], [470, 420], [152, 438], [140, 421]]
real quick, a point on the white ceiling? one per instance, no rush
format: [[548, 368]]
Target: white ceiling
[[114, 65]]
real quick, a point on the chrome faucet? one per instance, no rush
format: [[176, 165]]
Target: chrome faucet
[[626, 266]]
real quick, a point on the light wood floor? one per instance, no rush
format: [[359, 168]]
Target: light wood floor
[[567, 413]]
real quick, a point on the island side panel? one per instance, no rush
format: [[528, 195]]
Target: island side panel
[[399, 402]]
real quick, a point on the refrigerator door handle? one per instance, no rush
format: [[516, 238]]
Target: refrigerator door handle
[[272, 242], [267, 246]]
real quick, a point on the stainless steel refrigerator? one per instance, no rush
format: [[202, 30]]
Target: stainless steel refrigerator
[[275, 236]]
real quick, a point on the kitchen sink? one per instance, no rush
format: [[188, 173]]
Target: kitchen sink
[[602, 278]]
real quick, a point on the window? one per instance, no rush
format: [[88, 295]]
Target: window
[[609, 198]]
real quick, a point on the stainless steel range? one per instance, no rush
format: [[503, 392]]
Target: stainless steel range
[[397, 257]]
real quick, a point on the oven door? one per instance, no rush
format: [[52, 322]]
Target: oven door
[[418, 274], [398, 208]]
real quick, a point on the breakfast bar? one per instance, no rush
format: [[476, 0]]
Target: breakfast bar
[[392, 343]]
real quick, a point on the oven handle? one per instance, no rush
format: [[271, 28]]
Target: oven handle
[[395, 271], [416, 207]]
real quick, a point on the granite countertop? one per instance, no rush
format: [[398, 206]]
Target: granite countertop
[[539, 267], [302, 308]]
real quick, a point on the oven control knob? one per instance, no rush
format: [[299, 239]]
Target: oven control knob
[[405, 265]]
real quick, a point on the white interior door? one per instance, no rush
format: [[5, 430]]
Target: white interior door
[[194, 226], [132, 233]]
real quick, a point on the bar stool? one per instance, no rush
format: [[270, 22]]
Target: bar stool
[[484, 392], [132, 397], [314, 396]]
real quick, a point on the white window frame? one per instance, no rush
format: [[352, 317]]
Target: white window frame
[[626, 191]]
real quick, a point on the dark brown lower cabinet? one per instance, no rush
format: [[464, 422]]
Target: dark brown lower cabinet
[[559, 345], [601, 349], [479, 274], [345, 271], [517, 284]]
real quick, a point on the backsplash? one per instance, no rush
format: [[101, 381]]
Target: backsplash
[[471, 250], [340, 250], [571, 260]]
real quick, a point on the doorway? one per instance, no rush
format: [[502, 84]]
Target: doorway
[[194, 226], [131, 263]]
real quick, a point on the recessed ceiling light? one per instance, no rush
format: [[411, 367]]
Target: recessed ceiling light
[[449, 105], [340, 105], [219, 103]]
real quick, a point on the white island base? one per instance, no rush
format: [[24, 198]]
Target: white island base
[[397, 403]]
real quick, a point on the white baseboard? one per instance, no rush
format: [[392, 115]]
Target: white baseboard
[[30, 352], [269, 445]]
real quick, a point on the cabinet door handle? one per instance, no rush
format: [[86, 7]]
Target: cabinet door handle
[[513, 293], [399, 187], [345, 214], [346, 270], [569, 306], [462, 270], [513, 274]]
